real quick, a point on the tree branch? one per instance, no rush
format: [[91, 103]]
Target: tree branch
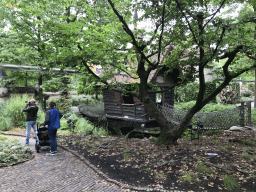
[[161, 35], [214, 14], [190, 28], [129, 32]]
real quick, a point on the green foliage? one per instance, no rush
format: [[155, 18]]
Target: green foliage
[[212, 132], [203, 168], [231, 183], [12, 114], [187, 92], [211, 107], [189, 177], [12, 152], [246, 93], [210, 86], [103, 36], [248, 142], [251, 86], [88, 100], [82, 127], [253, 116]]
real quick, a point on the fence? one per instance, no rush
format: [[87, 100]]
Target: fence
[[240, 115]]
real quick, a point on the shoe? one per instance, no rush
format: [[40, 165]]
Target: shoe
[[27, 144], [51, 153]]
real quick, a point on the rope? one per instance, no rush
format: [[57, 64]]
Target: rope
[[211, 120]]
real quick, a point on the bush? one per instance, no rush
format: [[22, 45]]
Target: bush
[[210, 107], [251, 87], [91, 101], [12, 115], [253, 116], [63, 104], [82, 126], [11, 152], [246, 94], [190, 91], [187, 92]]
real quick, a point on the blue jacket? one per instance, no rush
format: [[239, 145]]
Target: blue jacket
[[52, 119]]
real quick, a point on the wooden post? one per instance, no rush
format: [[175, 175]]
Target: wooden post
[[255, 90], [40, 92], [242, 114], [249, 112]]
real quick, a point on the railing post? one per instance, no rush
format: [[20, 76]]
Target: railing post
[[242, 114]]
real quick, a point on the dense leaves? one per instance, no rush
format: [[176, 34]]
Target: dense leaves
[[86, 34]]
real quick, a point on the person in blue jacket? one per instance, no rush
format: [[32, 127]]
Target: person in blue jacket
[[52, 119]]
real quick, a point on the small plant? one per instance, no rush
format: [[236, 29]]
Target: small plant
[[202, 168], [213, 132], [189, 177], [127, 156], [228, 148], [248, 142], [126, 151], [148, 170], [231, 183], [216, 142], [246, 156]]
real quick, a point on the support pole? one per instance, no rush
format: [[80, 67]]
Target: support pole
[[40, 91], [242, 114], [249, 105]]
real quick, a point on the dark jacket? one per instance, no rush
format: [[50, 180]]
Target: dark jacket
[[52, 119], [31, 112]]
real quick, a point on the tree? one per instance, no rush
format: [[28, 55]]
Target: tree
[[207, 37], [89, 36]]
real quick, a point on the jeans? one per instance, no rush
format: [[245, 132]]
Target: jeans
[[29, 125], [53, 139]]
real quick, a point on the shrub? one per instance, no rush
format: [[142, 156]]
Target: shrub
[[11, 152], [12, 115], [187, 92], [246, 94], [251, 87], [82, 126], [210, 107], [253, 116]]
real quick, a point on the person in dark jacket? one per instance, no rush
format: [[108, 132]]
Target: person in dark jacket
[[52, 119], [31, 109]]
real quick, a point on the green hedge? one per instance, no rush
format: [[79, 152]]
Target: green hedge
[[189, 92]]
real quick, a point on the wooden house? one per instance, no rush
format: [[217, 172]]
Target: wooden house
[[118, 106]]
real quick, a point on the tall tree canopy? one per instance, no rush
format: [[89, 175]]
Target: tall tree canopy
[[83, 34]]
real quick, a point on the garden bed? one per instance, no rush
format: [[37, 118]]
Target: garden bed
[[222, 162], [12, 152]]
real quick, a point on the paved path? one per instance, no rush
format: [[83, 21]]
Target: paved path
[[63, 172]]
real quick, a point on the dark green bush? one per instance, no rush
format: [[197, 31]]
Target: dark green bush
[[251, 87], [210, 107], [187, 92], [253, 116], [246, 94]]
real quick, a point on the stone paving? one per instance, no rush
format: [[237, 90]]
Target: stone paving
[[63, 172]]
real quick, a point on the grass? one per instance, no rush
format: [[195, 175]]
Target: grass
[[227, 148], [202, 168], [148, 170], [248, 142], [230, 183], [246, 156], [189, 177]]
